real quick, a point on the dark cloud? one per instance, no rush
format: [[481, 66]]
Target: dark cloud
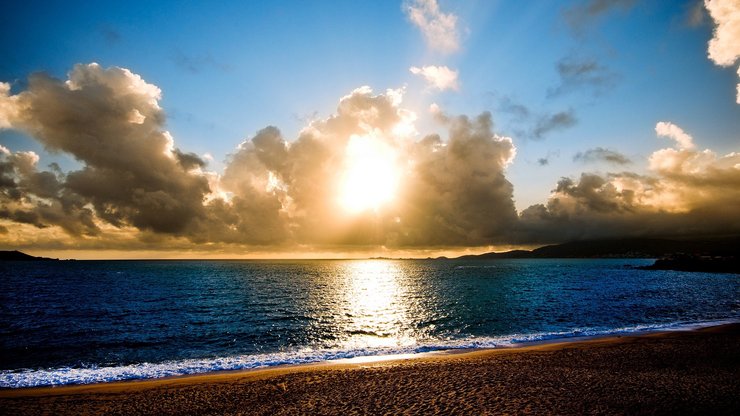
[[39, 198], [601, 154], [551, 122], [584, 14], [509, 106], [578, 74], [544, 161], [197, 63], [189, 161], [110, 35], [530, 124]]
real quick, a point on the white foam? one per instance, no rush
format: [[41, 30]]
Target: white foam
[[95, 374]]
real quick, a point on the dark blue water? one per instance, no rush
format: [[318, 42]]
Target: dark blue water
[[77, 322]]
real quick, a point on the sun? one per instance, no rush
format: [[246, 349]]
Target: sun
[[371, 175]]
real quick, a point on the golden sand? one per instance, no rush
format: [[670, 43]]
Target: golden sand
[[666, 373]]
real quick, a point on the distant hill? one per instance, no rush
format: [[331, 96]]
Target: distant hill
[[622, 248], [16, 255]]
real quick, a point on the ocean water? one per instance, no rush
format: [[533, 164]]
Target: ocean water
[[91, 321]]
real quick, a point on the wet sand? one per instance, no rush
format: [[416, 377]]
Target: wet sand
[[688, 372]]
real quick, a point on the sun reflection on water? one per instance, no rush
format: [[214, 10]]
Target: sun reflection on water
[[376, 305]]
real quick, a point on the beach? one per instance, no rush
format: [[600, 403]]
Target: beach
[[659, 373]]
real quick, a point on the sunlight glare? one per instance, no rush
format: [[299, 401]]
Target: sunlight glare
[[371, 176], [377, 304]]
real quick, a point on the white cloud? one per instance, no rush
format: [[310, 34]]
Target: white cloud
[[439, 77], [724, 47], [672, 131], [439, 29], [8, 108]]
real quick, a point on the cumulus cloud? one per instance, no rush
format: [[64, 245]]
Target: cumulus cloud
[[438, 77], [600, 154], [8, 107], [457, 192], [131, 172], [724, 47], [136, 185], [28, 196], [687, 192], [136, 189], [576, 74], [448, 193], [672, 131], [439, 29]]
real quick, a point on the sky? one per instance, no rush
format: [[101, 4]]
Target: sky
[[391, 128]]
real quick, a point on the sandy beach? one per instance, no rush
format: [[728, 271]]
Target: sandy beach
[[687, 372]]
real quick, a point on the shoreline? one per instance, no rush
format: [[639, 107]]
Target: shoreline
[[508, 345], [699, 367]]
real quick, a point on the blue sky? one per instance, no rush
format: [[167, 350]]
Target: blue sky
[[229, 69]]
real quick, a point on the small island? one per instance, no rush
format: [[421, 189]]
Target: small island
[[693, 263]]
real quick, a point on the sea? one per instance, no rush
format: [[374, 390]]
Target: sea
[[77, 322]]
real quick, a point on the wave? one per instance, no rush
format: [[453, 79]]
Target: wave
[[98, 374]]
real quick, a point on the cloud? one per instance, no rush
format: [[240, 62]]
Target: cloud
[[135, 189], [696, 14], [686, 193], [439, 29], [552, 122], [197, 63], [672, 131], [533, 124], [37, 198], [8, 106], [438, 77], [110, 34], [457, 193], [509, 106], [598, 154], [544, 161], [576, 74], [448, 193], [585, 13], [131, 172], [724, 47]]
